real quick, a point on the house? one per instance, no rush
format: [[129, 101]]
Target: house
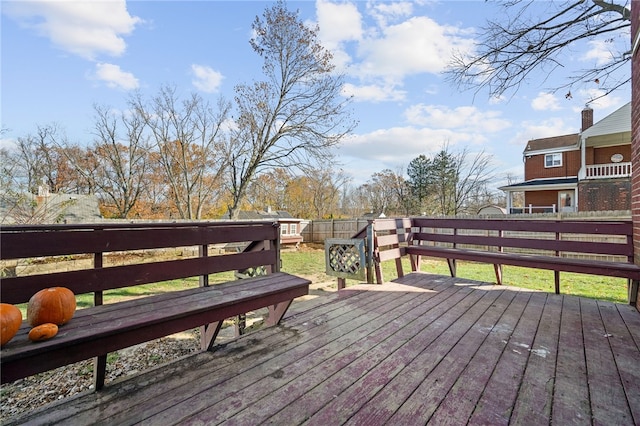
[[23, 208], [586, 171], [290, 227]]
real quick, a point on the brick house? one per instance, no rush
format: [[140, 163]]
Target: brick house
[[586, 171]]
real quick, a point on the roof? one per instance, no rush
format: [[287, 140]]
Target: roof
[[538, 184], [555, 142], [50, 208], [617, 122]]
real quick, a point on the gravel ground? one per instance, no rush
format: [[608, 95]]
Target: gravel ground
[[33, 392]]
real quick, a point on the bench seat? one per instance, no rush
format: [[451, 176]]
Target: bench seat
[[588, 247], [95, 331], [554, 263]]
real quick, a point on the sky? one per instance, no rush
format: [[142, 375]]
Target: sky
[[60, 58]]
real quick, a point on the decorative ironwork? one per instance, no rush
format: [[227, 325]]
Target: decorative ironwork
[[345, 258], [252, 272]]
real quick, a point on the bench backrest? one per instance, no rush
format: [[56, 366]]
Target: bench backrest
[[612, 240], [261, 240]]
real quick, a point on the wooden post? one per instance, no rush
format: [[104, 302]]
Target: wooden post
[[100, 362], [369, 253], [556, 274], [497, 267], [203, 251]]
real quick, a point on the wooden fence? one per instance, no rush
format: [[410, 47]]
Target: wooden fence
[[317, 231]]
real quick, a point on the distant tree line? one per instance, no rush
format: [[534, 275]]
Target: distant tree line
[[136, 176]]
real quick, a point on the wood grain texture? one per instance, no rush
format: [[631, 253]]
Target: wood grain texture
[[425, 349]]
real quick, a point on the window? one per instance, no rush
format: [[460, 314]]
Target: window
[[293, 228], [284, 229], [553, 160]]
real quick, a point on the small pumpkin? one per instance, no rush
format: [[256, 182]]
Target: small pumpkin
[[43, 332], [55, 305], [10, 320]]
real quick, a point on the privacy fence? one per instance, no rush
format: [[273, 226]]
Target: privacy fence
[[317, 231]]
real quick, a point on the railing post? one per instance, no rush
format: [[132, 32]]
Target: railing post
[[203, 251], [99, 362], [369, 249], [556, 274]]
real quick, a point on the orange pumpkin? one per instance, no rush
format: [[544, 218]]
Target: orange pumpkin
[[56, 305], [10, 320], [43, 332]]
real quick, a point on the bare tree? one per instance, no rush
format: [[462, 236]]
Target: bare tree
[[191, 147], [521, 41], [116, 163], [316, 195], [293, 117], [39, 162], [461, 181], [384, 191]]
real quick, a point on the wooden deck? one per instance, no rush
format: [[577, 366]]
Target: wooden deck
[[425, 349]]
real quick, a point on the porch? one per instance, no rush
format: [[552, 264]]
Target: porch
[[422, 349]]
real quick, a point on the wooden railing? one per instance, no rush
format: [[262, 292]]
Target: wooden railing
[[607, 171]]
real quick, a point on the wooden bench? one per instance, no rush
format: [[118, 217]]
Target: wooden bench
[[95, 331], [587, 247]]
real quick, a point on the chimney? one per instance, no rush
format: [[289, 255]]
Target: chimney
[[587, 118]]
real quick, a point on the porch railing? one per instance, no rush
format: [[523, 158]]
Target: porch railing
[[610, 170], [530, 209]]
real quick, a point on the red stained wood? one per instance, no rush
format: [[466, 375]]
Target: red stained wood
[[424, 350], [125, 324], [54, 240], [551, 245], [605, 386], [571, 393], [98, 330]]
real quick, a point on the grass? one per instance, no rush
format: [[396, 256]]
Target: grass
[[311, 264], [591, 286]]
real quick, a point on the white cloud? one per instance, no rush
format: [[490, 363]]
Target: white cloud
[[545, 102], [385, 12], [543, 129], [382, 145], [393, 46], [115, 77], [206, 79], [417, 45], [601, 102], [600, 50], [373, 93], [339, 23], [8, 144], [465, 118], [84, 28]]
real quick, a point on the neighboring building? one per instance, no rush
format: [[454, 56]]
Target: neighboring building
[[586, 171], [492, 210], [290, 227], [372, 215], [46, 208]]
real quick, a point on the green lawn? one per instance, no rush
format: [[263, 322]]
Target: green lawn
[[592, 286]]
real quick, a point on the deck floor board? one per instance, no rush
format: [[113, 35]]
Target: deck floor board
[[423, 349]]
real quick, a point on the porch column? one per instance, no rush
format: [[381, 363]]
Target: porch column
[[582, 173]]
